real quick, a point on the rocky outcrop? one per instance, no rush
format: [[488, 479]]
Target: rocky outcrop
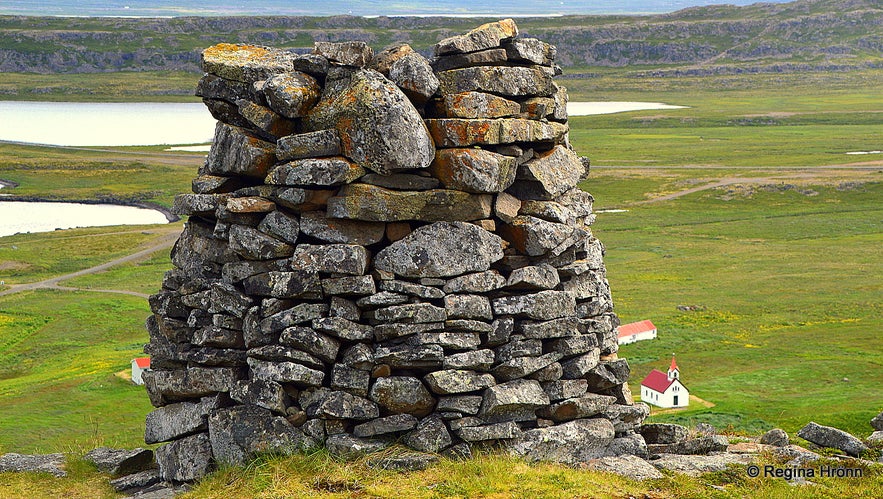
[[413, 261], [832, 35], [826, 436]]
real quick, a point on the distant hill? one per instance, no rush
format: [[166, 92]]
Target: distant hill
[[796, 36], [176, 8]]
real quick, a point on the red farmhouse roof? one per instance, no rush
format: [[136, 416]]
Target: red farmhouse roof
[[657, 380], [635, 328], [143, 362]]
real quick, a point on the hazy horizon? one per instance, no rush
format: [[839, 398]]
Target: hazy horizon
[[177, 8]]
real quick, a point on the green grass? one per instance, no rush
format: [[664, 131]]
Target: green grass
[[58, 355], [128, 174], [35, 257], [133, 86], [790, 284], [787, 270]]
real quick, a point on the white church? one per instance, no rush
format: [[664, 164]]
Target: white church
[[665, 389]]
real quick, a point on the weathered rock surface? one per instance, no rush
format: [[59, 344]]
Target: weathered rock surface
[[775, 437], [377, 204], [663, 433], [573, 442], [501, 80], [235, 152], [826, 436], [186, 459], [120, 462], [441, 249], [245, 63], [379, 128], [403, 395], [292, 94], [473, 170], [53, 464], [385, 249], [483, 37]]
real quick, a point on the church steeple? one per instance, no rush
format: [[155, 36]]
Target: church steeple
[[673, 371]]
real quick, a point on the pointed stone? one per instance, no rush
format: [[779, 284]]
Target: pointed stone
[[380, 137]]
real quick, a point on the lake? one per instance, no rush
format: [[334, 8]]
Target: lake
[[21, 216], [105, 124], [143, 124]]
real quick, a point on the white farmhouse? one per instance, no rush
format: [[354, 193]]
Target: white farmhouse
[[665, 389], [139, 365], [636, 331]]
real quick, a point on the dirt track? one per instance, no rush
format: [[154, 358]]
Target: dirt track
[[164, 242]]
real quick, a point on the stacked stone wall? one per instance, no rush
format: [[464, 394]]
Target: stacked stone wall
[[383, 248]]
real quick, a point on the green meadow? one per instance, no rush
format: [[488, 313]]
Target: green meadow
[[781, 266]]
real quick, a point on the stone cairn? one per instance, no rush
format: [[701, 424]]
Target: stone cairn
[[383, 248]]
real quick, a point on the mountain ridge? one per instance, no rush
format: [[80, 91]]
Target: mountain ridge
[[804, 35]]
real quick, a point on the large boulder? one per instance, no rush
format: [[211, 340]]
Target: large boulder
[[442, 249], [826, 436], [573, 442], [379, 128]]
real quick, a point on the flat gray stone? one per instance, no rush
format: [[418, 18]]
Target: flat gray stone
[[441, 249], [320, 143], [430, 435], [571, 443], [26, 463], [336, 230], [508, 81], [454, 381], [584, 406], [360, 201], [663, 433], [309, 172], [498, 431], [486, 36], [236, 153], [331, 258], [396, 423], [348, 447], [513, 401], [285, 372], [826, 436], [544, 305]]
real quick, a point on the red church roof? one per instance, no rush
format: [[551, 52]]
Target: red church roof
[[657, 380], [143, 362], [635, 328]]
